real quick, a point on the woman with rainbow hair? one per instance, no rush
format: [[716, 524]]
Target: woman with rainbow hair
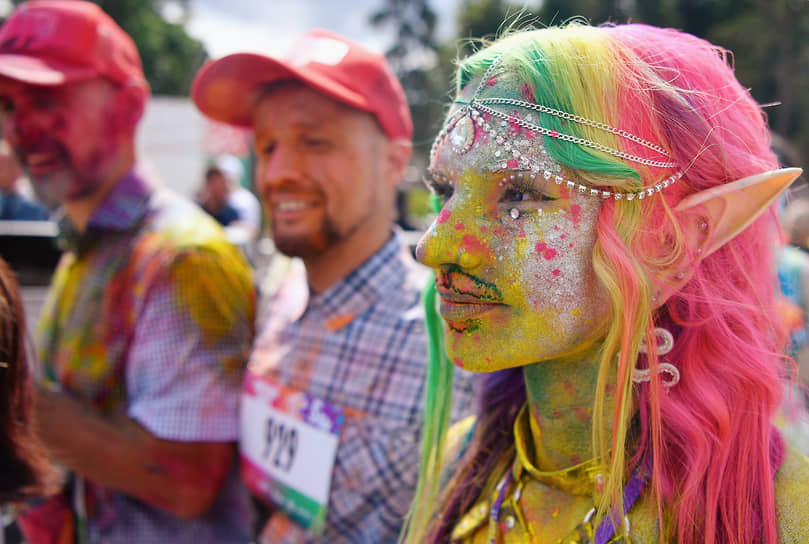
[[604, 253]]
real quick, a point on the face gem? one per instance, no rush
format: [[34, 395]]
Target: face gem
[[462, 135]]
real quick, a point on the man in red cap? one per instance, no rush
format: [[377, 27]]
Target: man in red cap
[[332, 402], [148, 321]]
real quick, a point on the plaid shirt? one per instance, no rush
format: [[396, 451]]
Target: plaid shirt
[[360, 345], [150, 314]]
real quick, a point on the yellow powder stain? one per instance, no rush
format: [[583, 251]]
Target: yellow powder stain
[[520, 245], [576, 312]]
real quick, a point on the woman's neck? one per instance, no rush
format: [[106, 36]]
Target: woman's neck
[[560, 401]]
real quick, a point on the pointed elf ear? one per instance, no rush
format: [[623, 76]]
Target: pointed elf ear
[[713, 217], [730, 208]]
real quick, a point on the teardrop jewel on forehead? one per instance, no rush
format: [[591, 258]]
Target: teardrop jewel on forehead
[[462, 135], [520, 139]]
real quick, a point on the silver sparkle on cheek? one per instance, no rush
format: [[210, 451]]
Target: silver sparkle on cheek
[[514, 213], [463, 135]]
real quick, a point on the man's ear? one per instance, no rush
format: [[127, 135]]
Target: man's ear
[[712, 217], [398, 157], [131, 101]]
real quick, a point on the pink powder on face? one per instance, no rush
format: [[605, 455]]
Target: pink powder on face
[[547, 252], [575, 215], [443, 216], [473, 243]]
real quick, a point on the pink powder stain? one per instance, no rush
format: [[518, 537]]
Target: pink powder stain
[[515, 126], [443, 216], [547, 252], [570, 245], [556, 272], [554, 134], [483, 229], [582, 414], [473, 243], [512, 163], [458, 362], [491, 81], [476, 338], [575, 214], [460, 226], [563, 236], [569, 387], [526, 92], [575, 459]]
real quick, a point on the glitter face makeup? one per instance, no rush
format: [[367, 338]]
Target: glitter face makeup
[[512, 251]]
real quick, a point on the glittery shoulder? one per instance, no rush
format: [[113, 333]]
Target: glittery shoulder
[[791, 506]]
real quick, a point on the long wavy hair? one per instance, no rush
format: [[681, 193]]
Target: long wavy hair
[[26, 471], [712, 473]]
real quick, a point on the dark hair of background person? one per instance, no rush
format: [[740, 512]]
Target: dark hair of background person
[[26, 471]]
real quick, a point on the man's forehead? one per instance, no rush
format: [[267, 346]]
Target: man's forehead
[[13, 89], [298, 104]]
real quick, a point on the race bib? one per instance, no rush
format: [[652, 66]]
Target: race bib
[[288, 443]]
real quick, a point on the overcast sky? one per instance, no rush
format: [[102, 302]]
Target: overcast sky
[[271, 26]]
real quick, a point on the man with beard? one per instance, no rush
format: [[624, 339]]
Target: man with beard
[[148, 322], [333, 398]]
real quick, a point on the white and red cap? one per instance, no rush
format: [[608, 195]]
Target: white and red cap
[[227, 89]]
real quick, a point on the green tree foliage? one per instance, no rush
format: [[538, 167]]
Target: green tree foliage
[[413, 56], [170, 56]]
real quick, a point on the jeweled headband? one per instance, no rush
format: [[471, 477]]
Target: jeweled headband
[[460, 130]]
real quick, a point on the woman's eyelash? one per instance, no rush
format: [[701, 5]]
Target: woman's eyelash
[[443, 190], [525, 190]]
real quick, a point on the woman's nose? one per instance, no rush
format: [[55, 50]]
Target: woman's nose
[[447, 241]]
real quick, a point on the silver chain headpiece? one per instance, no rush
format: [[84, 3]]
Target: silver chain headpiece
[[460, 130]]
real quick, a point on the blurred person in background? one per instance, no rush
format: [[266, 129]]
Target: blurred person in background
[[241, 198], [332, 403], [14, 204], [148, 322], [214, 197], [793, 274]]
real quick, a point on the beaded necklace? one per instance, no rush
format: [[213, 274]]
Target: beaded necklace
[[584, 532]]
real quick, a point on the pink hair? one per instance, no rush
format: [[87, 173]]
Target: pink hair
[[710, 436]]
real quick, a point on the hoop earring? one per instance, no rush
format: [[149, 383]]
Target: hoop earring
[[665, 345]]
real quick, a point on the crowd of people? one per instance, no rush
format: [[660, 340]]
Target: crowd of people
[[592, 348]]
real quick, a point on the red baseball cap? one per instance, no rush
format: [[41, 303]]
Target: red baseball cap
[[52, 42], [227, 89]]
